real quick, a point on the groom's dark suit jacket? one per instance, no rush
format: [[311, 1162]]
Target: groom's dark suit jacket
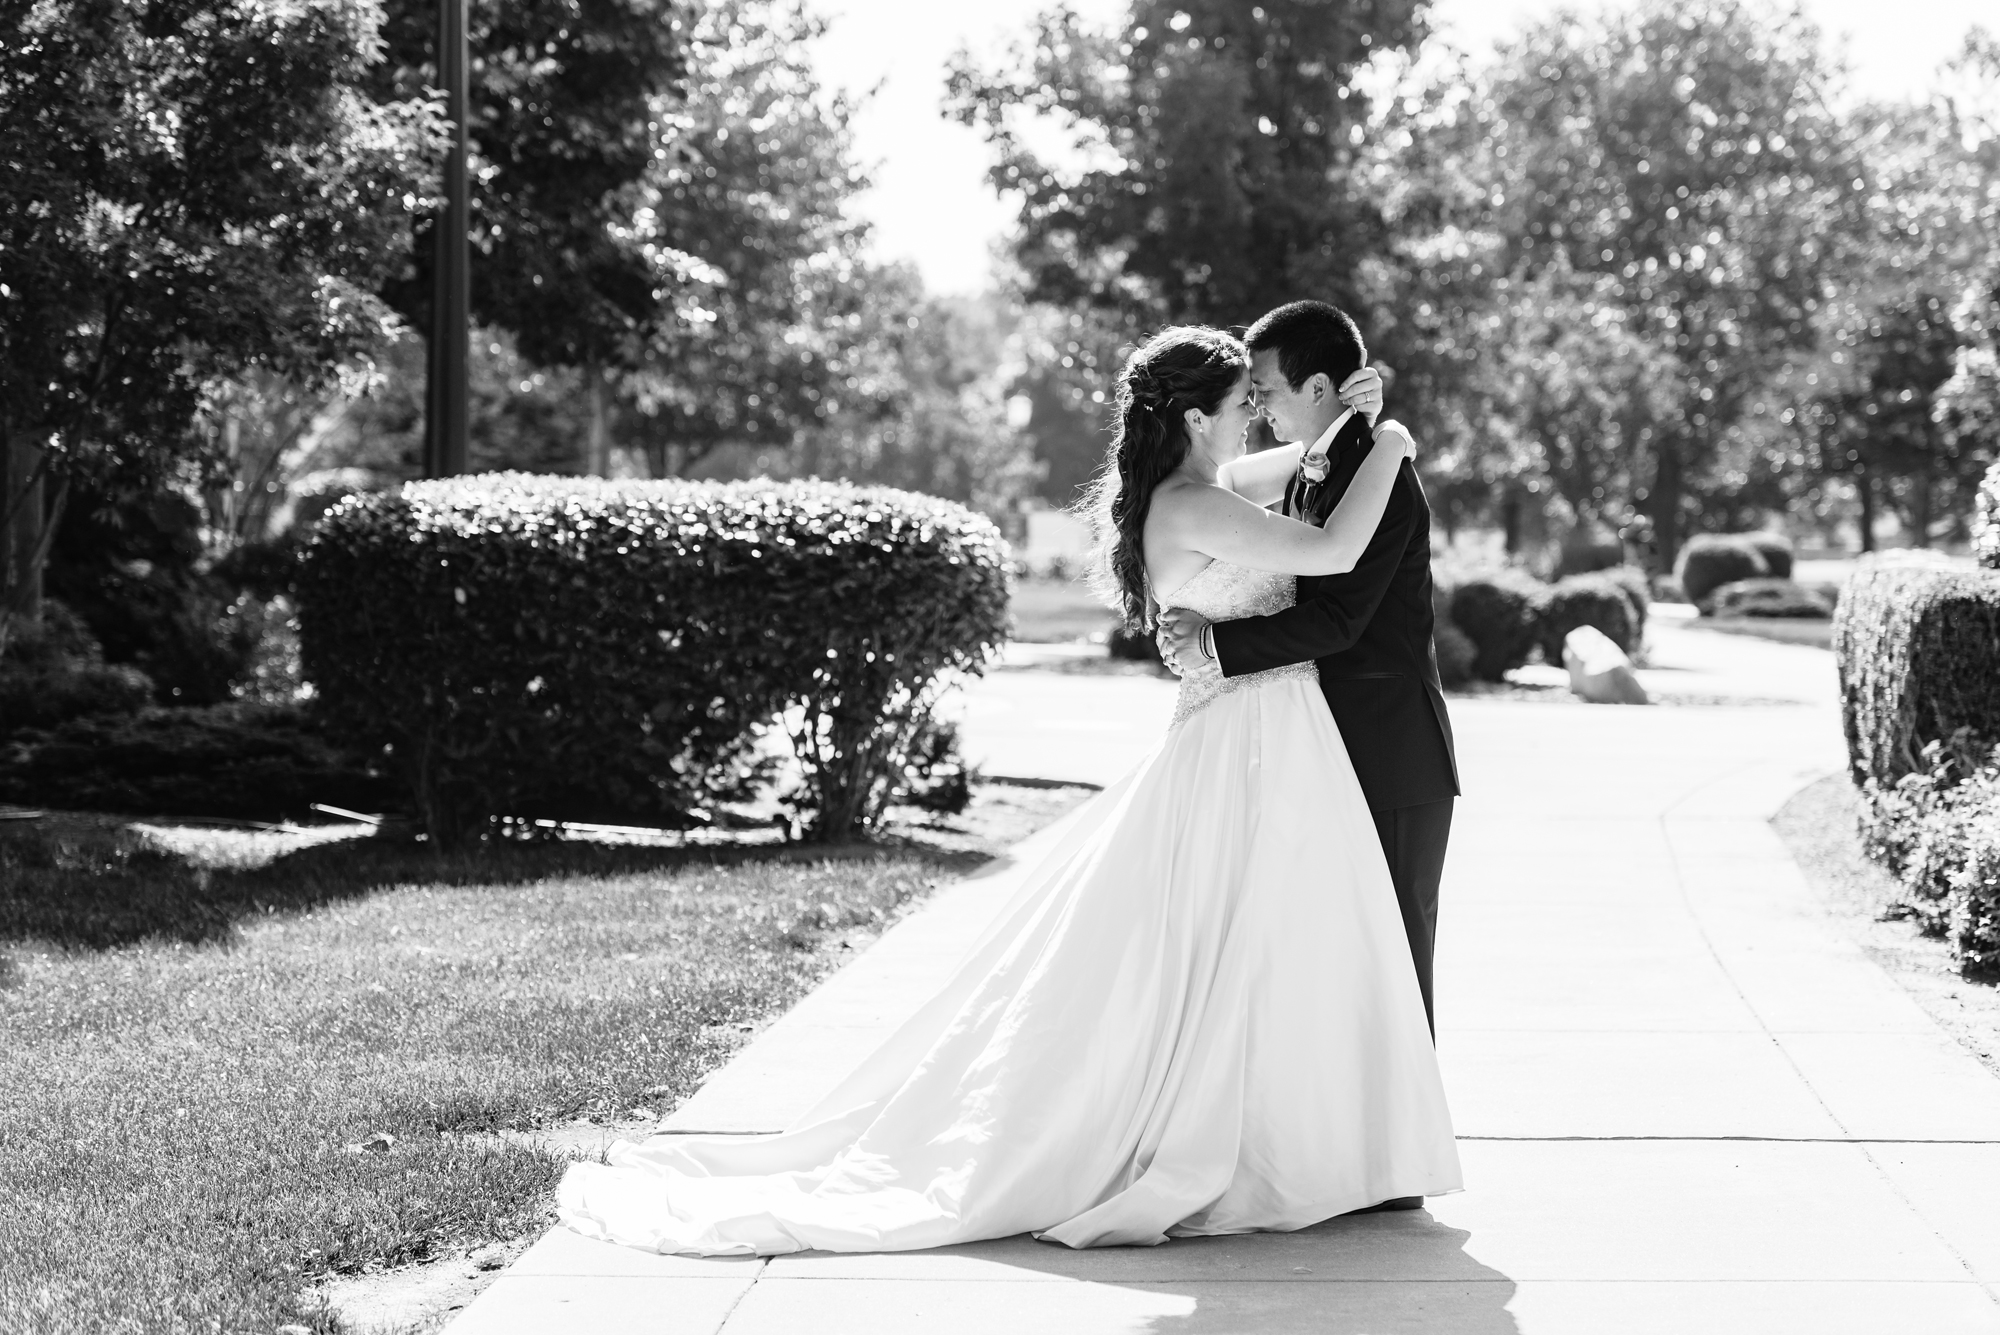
[[1370, 631]]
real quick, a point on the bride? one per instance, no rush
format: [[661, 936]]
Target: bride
[[1198, 1015]]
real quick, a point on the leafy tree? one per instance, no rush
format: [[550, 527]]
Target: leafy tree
[[1906, 317], [190, 188], [1685, 155], [1223, 141], [564, 120], [751, 202]]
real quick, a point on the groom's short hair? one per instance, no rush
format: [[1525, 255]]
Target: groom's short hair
[[1309, 337]]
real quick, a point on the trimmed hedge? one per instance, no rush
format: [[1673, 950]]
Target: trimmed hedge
[[1639, 591], [1986, 521], [1711, 560], [1766, 598], [1587, 600], [1585, 549], [1452, 647], [1776, 549], [1918, 645], [251, 762], [1500, 612], [578, 648]]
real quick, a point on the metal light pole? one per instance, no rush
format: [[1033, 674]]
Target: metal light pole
[[445, 425]]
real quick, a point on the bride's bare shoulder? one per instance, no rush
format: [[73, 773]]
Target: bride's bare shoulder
[[1181, 501]]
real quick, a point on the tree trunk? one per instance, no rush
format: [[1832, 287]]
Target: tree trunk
[[1664, 502], [23, 523], [1924, 481], [1864, 488], [597, 449]]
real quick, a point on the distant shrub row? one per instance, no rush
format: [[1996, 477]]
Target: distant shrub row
[[1489, 623], [584, 649]]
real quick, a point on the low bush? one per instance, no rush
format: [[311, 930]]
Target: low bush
[[1639, 591], [1776, 549], [1500, 612], [1937, 830], [1711, 560], [1918, 646], [1587, 548], [585, 649], [1452, 648], [1455, 653], [1766, 598], [1132, 646], [130, 567], [249, 762], [54, 671], [1587, 600], [1986, 521]]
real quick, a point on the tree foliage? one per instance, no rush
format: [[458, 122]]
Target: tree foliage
[[563, 121], [1222, 141], [187, 189]]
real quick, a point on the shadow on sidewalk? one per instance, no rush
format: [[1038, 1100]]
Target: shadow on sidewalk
[[1355, 1275]]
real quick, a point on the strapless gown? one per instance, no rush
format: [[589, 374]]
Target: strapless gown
[[1197, 1015]]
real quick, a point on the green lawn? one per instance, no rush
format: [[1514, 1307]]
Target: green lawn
[[199, 1032]]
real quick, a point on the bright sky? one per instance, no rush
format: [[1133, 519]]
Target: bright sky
[[931, 203]]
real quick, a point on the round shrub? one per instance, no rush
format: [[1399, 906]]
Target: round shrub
[[1639, 592], [1588, 548], [1711, 560], [576, 648], [1917, 642], [1455, 653], [1500, 613], [1766, 598], [54, 671], [1132, 646], [1587, 600], [1776, 549], [1986, 521], [1452, 649]]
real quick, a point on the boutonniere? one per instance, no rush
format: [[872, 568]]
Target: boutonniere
[[1313, 467]]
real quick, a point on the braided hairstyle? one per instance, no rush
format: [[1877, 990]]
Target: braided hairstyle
[[1187, 366]]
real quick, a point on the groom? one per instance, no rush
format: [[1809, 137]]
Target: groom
[[1369, 629]]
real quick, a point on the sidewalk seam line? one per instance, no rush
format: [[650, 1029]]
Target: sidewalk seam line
[[1708, 943]]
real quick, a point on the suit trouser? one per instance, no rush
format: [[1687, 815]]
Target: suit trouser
[[1413, 840]]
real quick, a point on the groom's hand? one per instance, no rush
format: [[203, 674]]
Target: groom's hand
[[1362, 392], [1179, 639]]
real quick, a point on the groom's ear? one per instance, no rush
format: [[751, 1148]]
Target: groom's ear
[[1320, 386]]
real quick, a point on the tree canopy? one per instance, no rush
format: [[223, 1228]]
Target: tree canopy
[[187, 189]]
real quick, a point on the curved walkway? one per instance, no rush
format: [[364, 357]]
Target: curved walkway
[[1685, 1103]]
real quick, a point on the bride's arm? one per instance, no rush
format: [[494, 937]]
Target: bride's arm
[[1231, 528], [1260, 478]]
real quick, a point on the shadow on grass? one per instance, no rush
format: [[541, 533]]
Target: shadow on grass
[[101, 884]]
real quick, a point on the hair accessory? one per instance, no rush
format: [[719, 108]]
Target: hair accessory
[[1147, 391]]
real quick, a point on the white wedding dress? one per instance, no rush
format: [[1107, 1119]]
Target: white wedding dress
[[1198, 1015]]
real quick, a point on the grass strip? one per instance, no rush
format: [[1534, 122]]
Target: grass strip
[[199, 1033]]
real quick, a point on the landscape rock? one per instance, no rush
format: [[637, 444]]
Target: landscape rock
[[1599, 671]]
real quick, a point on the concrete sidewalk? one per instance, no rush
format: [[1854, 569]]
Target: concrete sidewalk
[[1685, 1103]]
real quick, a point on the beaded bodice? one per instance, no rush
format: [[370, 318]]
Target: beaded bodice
[[1220, 591]]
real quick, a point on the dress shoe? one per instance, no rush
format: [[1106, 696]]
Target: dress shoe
[[1399, 1203]]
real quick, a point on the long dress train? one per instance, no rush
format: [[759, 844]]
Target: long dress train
[[1197, 1015]]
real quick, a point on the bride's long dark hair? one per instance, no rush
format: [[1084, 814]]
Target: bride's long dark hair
[[1187, 366]]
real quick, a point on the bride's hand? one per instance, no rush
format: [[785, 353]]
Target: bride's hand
[[1397, 429], [1362, 392]]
